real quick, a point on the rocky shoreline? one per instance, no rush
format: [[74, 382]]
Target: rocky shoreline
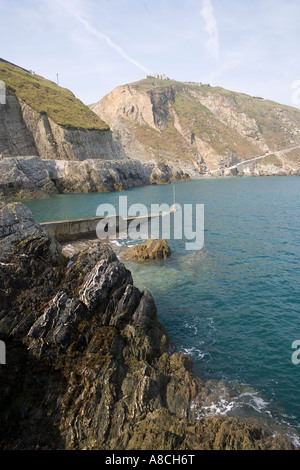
[[88, 364], [33, 178]]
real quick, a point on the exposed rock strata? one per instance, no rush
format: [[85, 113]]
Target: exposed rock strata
[[31, 177], [161, 173], [24, 178], [198, 128], [88, 364], [77, 160], [96, 175], [99, 176], [24, 132]]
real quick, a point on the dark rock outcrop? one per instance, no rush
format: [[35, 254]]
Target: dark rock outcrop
[[33, 178], [96, 175], [88, 364], [25, 178], [164, 174]]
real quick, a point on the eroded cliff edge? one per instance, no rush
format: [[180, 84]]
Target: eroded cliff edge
[[51, 142], [25, 132], [39, 158], [33, 178], [202, 129], [88, 364]]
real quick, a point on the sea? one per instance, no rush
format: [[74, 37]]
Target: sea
[[233, 304]]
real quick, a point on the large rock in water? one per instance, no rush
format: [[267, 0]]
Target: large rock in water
[[88, 364], [151, 250]]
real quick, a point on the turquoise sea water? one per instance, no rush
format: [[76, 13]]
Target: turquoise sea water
[[234, 305]]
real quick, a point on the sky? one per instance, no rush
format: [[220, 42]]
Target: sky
[[93, 46]]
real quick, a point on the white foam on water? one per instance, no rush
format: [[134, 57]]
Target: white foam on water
[[295, 440], [191, 327], [227, 403], [116, 242], [192, 352], [256, 402], [222, 408]]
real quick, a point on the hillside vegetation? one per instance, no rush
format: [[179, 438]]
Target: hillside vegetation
[[45, 96], [200, 125], [210, 112]]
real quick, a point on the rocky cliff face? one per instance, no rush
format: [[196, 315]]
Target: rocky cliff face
[[199, 128], [58, 143], [24, 132], [96, 175], [88, 364], [39, 157], [25, 178], [15, 138], [31, 177]]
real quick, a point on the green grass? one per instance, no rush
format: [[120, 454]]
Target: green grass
[[45, 96]]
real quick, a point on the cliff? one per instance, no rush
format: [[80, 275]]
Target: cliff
[[31, 177], [51, 142], [200, 128], [42, 119], [88, 364], [25, 178]]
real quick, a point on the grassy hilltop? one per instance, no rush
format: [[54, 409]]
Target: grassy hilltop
[[45, 96]]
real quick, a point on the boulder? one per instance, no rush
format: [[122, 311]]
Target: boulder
[[153, 249]]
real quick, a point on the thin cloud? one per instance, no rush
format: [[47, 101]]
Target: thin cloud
[[100, 35], [211, 28]]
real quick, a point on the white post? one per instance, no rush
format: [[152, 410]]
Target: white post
[[2, 92], [2, 353]]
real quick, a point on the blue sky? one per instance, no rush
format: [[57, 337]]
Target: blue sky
[[251, 46]]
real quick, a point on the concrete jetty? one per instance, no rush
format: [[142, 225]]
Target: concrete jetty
[[85, 229], [78, 229]]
